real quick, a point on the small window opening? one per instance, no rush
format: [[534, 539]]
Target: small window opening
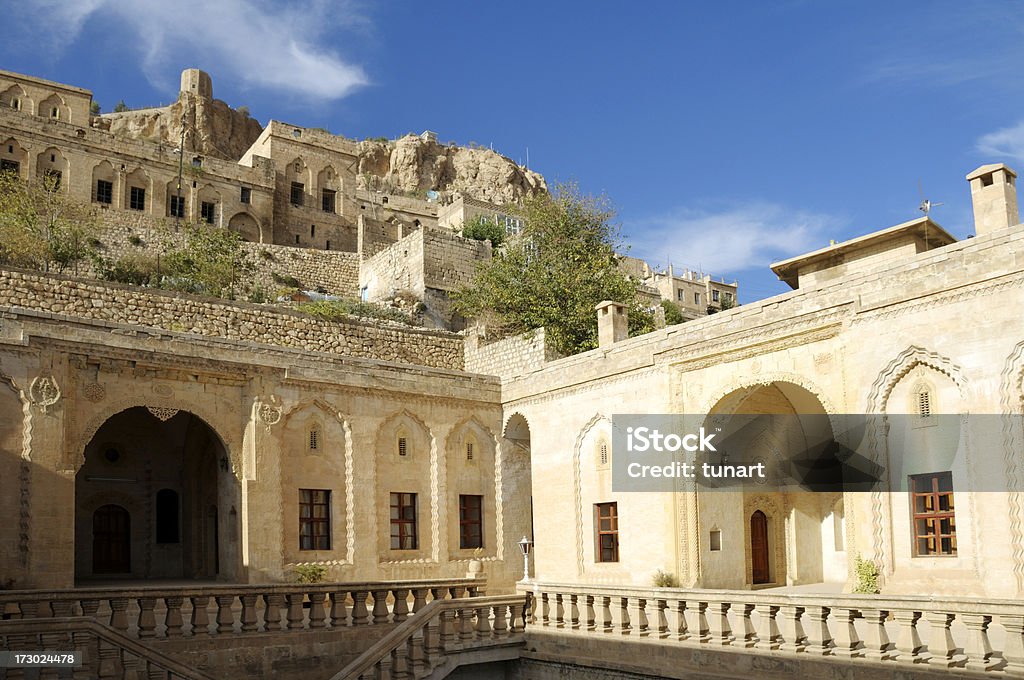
[[716, 540], [469, 450], [314, 440], [924, 404], [402, 446]]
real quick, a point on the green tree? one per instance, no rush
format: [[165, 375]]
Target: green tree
[[673, 313], [41, 227], [212, 262], [481, 228], [94, 108], [120, 107], [555, 272]]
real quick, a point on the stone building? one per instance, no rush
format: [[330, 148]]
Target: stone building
[[184, 438], [284, 186], [899, 325]]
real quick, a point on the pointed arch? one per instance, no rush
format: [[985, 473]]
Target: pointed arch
[[902, 364], [596, 421], [1011, 403]]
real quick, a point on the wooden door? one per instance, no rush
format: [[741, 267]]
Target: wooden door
[[759, 547], [111, 540]]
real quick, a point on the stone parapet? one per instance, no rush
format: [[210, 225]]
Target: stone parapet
[[945, 635]]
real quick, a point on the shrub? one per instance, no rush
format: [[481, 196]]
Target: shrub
[[866, 573], [481, 228], [664, 579], [310, 573], [673, 314], [135, 240], [138, 270], [334, 310], [286, 280]]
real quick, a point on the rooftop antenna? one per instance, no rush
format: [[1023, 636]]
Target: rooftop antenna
[[926, 205]]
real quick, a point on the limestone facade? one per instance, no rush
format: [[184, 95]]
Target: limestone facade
[[939, 319], [135, 452]]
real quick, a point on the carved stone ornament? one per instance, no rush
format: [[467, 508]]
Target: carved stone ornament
[[44, 392], [269, 411], [163, 390], [162, 413], [94, 392]]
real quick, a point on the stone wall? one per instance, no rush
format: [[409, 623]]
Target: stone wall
[[335, 271], [509, 357], [179, 312], [449, 261]]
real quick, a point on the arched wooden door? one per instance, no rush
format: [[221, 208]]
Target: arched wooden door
[[759, 547], [111, 540]]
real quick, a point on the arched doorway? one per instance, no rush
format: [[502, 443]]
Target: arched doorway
[[111, 540], [147, 497], [786, 529], [517, 471], [759, 562]]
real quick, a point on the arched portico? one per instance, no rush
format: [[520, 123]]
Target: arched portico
[[767, 532], [156, 498]]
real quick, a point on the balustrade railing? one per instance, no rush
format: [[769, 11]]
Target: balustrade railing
[[106, 654], [236, 609], [442, 629], [948, 633]]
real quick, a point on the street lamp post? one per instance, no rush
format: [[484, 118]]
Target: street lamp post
[[524, 547]]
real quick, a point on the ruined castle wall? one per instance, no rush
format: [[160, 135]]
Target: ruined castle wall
[[180, 312]]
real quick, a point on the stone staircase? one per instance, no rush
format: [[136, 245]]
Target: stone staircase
[[106, 652], [444, 635]]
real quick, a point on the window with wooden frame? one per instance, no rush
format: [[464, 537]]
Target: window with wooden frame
[[403, 521], [471, 521], [104, 191], [208, 211], [933, 516], [606, 518], [314, 519], [136, 198], [298, 193]]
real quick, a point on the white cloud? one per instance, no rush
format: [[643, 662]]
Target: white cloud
[[732, 240], [1008, 142], [284, 47]]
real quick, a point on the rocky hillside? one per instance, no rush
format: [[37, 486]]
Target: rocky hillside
[[407, 165], [415, 164], [213, 127]]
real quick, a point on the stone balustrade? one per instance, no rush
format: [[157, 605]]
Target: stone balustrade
[[925, 632], [106, 654], [489, 628], [156, 612]]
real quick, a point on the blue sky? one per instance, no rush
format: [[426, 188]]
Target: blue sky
[[729, 135]]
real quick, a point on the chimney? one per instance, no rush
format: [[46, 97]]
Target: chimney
[[994, 195], [612, 323]]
